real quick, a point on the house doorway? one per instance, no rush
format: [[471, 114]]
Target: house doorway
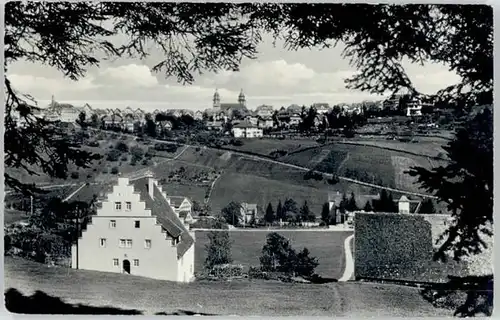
[[126, 266]]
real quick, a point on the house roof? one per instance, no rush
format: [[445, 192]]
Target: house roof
[[404, 199], [183, 214], [176, 201], [244, 124], [233, 106]]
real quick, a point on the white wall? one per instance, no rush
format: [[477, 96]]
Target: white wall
[[404, 207], [158, 262], [186, 265], [239, 132]]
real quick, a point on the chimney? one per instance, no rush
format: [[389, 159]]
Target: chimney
[[150, 185]]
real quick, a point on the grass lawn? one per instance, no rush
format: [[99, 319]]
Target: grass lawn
[[266, 146], [219, 298], [246, 249]]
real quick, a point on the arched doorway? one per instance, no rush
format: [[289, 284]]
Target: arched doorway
[[126, 266]]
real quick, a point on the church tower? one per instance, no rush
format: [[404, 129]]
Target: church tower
[[241, 99], [216, 99]]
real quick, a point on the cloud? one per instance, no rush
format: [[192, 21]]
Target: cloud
[[131, 75], [276, 82]]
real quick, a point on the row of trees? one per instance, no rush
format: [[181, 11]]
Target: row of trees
[[277, 255], [289, 212]]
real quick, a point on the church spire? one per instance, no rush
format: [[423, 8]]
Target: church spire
[[216, 99], [241, 98]]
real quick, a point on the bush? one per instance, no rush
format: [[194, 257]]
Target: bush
[[113, 155], [226, 271], [7, 243], [237, 143], [124, 158], [218, 250], [114, 170], [75, 175], [121, 146], [145, 162], [93, 144], [137, 153], [279, 256]]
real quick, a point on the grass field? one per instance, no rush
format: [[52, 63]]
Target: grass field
[[259, 190], [327, 246], [219, 298], [266, 146]]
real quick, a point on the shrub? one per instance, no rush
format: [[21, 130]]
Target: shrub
[[218, 250], [75, 175], [7, 243], [89, 176], [145, 162], [113, 155], [257, 273], [237, 143], [114, 170], [226, 271], [93, 144], [121, 146], [279, 256], [124, 158], [137, 153]]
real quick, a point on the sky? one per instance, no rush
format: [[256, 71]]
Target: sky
[[278, 78]]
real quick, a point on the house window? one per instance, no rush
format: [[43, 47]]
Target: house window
[[115, 262], [147, 244], [129, 243], [118, 206], [128, 206], [122, 243], [136, 262], [102, 242], [175, 241], [137, 224], [112, 224]]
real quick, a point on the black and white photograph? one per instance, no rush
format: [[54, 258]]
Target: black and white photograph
[[248, 159]]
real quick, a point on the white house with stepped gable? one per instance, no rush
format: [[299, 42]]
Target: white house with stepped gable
[[136, 231]]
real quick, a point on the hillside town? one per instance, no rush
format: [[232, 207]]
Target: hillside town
[[241, 121]]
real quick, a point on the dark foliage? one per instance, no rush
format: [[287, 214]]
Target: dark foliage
[[465, 185], [218, 249], [468, 296], [279, 256]]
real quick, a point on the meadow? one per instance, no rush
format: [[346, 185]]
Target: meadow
[[244, 297], [327, 246]]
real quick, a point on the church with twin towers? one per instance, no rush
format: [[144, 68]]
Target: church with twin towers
[[217, 104]]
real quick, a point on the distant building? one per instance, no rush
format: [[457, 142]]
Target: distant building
[[264, 111], [248, 212], [407, 206], [246, 130], [63, 112], [220, 110], [265, 123], [321, 108], [136, 231], [295, 119]]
